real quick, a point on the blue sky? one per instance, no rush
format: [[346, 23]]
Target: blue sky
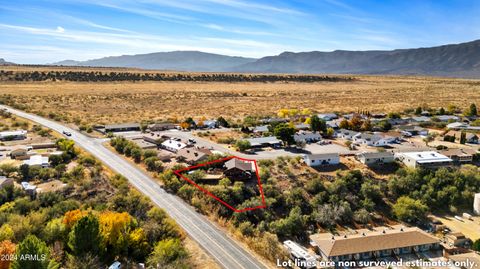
[[43, 31]]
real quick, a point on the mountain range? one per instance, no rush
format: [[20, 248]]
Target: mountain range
[[455, 60]]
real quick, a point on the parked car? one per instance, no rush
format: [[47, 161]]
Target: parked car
[[115, 265]]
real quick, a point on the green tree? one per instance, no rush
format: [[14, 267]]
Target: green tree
[[409, 210], [385, 125], [26, 250], [223, 122], [168, 253], [285, 133], [472, 110], [463, 138], [242, 145], [476, 245], [149, 153], [317, 124], [67, 146], [330, 132], [85, 236], [136, 154], [418, 110]]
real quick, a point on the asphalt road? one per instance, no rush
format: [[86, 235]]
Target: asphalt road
[[223, 249]]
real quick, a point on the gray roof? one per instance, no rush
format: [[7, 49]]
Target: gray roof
[[307, 136], [368, 137], [328, 116], [302, 126], [346, 132], [385, 154], [262, 128], [122, 125], [447, 117], [421, 119], [257, 141], [322, 155]]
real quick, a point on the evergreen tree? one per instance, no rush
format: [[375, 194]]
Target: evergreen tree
[[418, 110], [473, 110], [463, 138], [85, 236], [317, 124], [33, 253]]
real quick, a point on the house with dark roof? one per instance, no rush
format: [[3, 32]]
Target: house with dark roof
[[124, 127], [379, 243], [5, 181], [236, 169], [161, 126]]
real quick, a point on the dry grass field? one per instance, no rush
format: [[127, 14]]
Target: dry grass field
[[108, 102]]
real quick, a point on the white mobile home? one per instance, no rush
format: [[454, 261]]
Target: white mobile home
[[321, 159]]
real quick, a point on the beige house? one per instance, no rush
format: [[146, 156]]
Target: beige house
[[459, 155], [366, 244], [456, 239], [191, 155]]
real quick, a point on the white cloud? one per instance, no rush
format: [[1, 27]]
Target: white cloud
[[60, 29], [133, 43]]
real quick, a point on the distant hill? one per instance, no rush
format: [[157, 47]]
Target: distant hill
[[458, 60], [175, 60], [3, 62]]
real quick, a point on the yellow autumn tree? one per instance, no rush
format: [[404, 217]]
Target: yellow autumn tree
[[137, 244], [184, 125], [115, 228], [283, 113], [6, 248], [71, 217], [306, 111]]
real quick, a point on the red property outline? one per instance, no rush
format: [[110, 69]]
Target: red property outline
[[178, 173]]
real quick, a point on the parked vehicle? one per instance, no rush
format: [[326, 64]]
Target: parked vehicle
[[115, 265]]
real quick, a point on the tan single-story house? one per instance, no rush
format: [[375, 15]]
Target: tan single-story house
[[456, 239], [375, 158], [459, 155], [191, 155], [365, 244], [321, 159]]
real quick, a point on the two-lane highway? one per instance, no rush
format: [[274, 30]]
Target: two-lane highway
[[222, 248]]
